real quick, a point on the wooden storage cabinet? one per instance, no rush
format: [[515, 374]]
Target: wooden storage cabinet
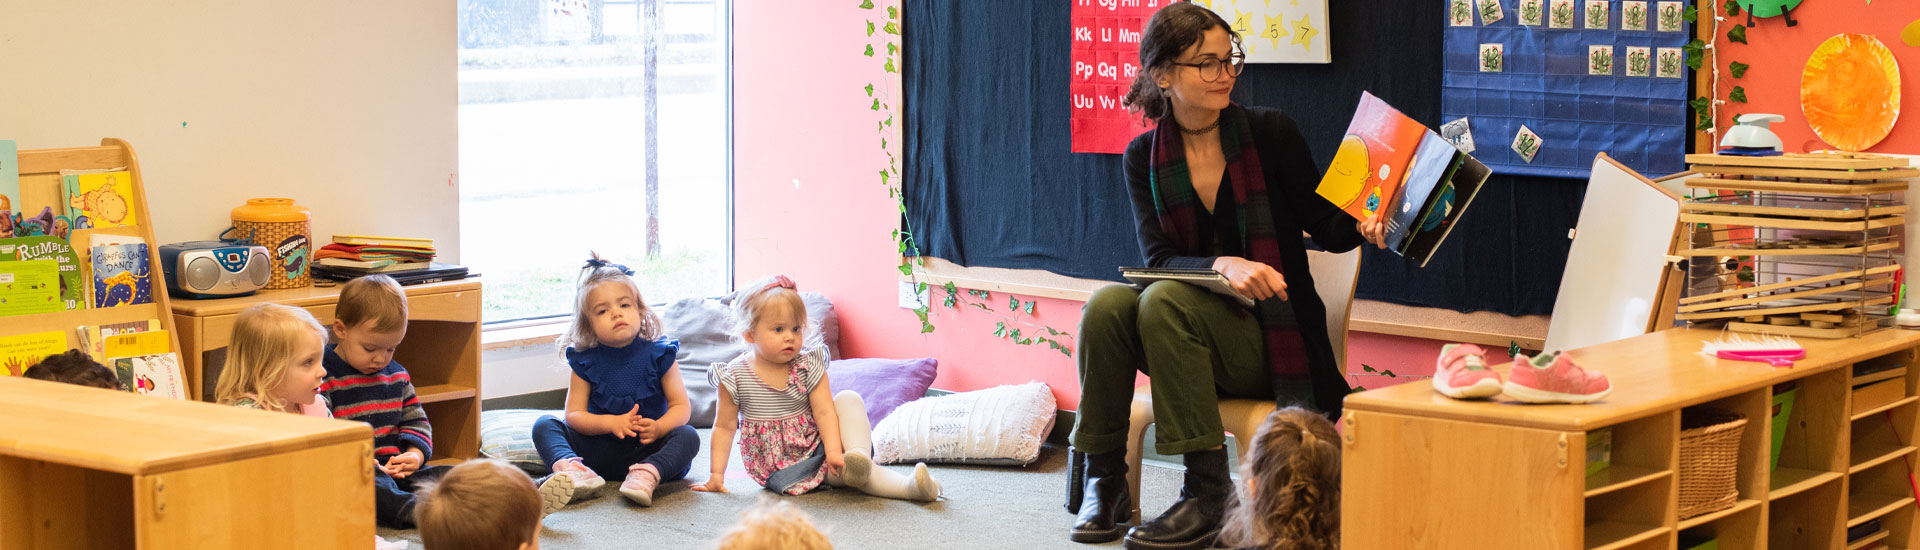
[[84, 468], [1425, 471], [441, 351]]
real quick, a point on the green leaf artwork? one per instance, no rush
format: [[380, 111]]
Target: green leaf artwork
[[891, 28], [889, 66], [869, 28], [1563, 15], [1696, 50], [893, 12], [1513, 348], [869, 90], [1013, 303], [1737, 95], [866, 4], [1029, 310], [1738, 34], [1732, 7], [1691, 14], [869, 52], [1738, 69]]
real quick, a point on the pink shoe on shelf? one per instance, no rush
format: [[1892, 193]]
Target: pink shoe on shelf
[[1461, 373], [1553, 378]]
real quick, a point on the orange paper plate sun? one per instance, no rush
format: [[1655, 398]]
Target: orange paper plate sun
[[1850, 91]]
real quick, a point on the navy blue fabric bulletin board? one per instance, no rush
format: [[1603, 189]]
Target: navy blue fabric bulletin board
[[1640, 121]]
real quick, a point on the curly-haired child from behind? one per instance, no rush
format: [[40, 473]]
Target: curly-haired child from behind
[[1291, 500], [482, 504], [794, 434], [627, 408], [73, 367]]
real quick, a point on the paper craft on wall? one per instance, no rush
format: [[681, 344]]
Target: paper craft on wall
[[1103, 61], [1850, 91], [1289, 31]]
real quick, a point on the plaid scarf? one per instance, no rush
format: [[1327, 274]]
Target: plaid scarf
[[1178, 208]]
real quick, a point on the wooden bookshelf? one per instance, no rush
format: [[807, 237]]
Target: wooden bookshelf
[[441, 351], [41, 187]]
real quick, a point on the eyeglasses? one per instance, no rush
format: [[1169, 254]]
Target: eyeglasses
[[1211, 67]]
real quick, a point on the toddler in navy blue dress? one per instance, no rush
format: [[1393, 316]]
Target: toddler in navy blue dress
[[627, 407]]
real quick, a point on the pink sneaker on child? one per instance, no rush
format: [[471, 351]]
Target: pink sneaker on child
[[585, 481], [1553, 378], [1461, 373], [641, 480]]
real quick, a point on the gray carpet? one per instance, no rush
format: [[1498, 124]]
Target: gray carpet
[[983, 508]]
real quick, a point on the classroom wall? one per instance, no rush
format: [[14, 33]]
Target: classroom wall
[[347, 107], [808, 203]]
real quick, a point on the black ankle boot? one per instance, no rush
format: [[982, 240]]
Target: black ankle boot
[[1105, 506], [1194, 520]]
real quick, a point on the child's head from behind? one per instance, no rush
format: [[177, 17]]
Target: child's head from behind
[[772, 318], [74, 367], [1292, 499], [369, 322], [773, 526], [274, 357], [608, 309], [481, 504]]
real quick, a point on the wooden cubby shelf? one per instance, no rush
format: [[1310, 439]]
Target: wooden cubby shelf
[[1612, 535], [443, 392], [1909, 400], [1867, 541], [1834, 470], [1739, 506], [1621, 477]]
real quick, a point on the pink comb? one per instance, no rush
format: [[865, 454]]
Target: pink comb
[[1778, 351], [1775, 357]]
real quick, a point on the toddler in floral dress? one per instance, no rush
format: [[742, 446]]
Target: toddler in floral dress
[[793, 436]]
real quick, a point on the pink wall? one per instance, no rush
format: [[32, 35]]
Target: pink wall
[[808, 203]]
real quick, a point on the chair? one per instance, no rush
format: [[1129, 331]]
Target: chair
[[1334, 276]]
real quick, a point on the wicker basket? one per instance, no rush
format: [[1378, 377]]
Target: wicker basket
[[1709, 459]]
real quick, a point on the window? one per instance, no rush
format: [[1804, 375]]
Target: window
[[554, 103]]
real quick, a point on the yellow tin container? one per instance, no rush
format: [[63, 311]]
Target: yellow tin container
[[286, 229]]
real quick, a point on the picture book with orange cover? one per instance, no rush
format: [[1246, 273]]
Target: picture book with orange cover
[[1372, 160]]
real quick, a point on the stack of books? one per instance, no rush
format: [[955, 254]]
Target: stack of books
[[408, 260], [369, 254]]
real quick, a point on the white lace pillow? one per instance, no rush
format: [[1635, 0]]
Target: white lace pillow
[[1001, 426]]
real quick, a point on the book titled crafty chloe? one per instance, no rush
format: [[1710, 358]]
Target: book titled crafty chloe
[[121, 275]]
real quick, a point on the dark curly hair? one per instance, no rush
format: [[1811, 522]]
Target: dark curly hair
[[74, 367], [1170, 32], [1294, 464]]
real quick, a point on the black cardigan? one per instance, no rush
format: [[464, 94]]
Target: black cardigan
[[1291, 178]]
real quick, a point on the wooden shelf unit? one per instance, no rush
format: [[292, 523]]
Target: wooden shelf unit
[[441, 351], [85, 468], [41, 187], [1522, 466]]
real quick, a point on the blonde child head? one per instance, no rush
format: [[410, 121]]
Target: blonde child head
[[369, 322], [773, 526], [1292, 497], [603, 287], [274, 352], [481, 504], [771, 298]]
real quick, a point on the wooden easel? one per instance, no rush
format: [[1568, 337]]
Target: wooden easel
[[40, 187]]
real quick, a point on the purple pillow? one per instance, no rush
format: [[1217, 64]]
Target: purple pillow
[[883, 383]]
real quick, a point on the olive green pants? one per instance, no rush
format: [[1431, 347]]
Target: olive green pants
[[1196, 345]]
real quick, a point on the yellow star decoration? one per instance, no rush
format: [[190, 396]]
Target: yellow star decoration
[[1241, 21], [1275, 29], [1306, 32], [1204, 3]]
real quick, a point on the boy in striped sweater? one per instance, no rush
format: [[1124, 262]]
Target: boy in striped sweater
[[364, 383]]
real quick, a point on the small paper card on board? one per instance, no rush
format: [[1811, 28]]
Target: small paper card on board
[[1670, 16], [1597, 14], [1560, 14], [1639, 61], [1459, 133], [1669, 62], [1490, 12], [1460, 13], [1493, 57], [1526, 143], [1633, 15], [1600, 60], [1531, 12]]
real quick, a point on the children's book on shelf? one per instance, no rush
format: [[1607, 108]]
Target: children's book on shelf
[[19, 351], [9, 175], [379, 240], [29, 287], [145, 363], [121, 275], [435, 272], [73, 294], [1418, 182], [373, 266], [92, 338], [100, 198]]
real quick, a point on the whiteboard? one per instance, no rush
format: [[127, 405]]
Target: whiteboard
[[1611, 287]]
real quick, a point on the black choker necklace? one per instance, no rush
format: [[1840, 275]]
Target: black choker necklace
[[1198, 131]]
